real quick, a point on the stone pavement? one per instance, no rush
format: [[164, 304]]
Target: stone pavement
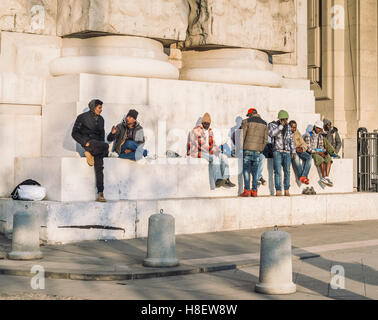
[[213, 266]]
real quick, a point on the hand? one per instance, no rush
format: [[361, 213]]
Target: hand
[[293, 156], [299, 150], [128, 151], [114, 130], [87, 144], [322, 154]]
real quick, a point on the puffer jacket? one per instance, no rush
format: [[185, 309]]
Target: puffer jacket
[[121, 135], [255, 134], [88, 127]]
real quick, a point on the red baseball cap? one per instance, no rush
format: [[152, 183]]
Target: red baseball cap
[[252, 111]]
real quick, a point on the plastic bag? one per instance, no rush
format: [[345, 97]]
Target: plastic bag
[[30, 193]]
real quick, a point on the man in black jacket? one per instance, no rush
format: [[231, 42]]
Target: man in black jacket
[[129, 138], [89, 132]]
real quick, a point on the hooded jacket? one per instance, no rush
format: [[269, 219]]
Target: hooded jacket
[[88, 126], [121, 135], [334, 138]]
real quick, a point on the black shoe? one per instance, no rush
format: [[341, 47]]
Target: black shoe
[[263, 181], [312, 191], [229, 184], [220, 183]]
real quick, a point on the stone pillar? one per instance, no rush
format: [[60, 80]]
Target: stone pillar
[[236, 66], [115, 56]]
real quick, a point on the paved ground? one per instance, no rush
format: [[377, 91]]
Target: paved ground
[[317, 248]]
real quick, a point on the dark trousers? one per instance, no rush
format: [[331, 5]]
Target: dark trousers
[[99, 150]]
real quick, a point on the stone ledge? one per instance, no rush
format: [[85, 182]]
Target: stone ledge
[[68, 222]]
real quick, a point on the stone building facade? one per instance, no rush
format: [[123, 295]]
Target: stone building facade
[[173, 60]]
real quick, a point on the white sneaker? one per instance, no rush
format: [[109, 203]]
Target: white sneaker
[[151, 157], [326, 182], [329, 181], [113, 155]]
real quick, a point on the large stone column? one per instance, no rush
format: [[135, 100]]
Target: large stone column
[[115, 56], [248, 29]]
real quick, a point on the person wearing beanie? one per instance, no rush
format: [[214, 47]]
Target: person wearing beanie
[[254, 140], [129, 138], [201, 144], [283, 151], [317, 148], [89, 132], [331, 133]]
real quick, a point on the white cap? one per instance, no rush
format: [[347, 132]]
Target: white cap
[[319, 124]]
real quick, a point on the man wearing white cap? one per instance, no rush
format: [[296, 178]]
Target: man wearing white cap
[[316, 147]]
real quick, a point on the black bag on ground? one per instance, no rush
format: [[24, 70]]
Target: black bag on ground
[[28, 182]]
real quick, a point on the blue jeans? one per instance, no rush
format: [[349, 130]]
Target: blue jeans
[[281, 159], [219, 168], [251, 161], [137, 151], [302, 170]]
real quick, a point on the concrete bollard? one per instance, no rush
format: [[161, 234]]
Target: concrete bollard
[[25, 239], [161, 243], [276, 274]]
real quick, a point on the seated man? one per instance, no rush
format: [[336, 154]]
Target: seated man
[[129, 138], [89, 132], [201, 144], [316, 147], [332, 135], [301, 148]]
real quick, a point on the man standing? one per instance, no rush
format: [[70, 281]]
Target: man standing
[[315, 145], [129, 138], [89, 132], [332, 135], [255, 137], [301, 148], [283, 151], [201, 144]]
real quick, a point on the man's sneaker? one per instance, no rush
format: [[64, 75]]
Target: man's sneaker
[[335, 156], [113, 155], [307, 181], [229, 184], [329, 181], [326, 182], [254, 194], [278, 193], [246, 194], [302, 180], [100, 197], [287, 193], [220, 183], [262, 181], [90, 158]]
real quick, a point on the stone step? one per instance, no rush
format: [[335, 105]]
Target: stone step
[[71, 179], [79, 221]]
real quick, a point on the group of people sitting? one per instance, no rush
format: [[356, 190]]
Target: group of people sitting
[[279, 140]]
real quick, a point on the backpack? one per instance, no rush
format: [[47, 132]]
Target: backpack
[[29, 190]]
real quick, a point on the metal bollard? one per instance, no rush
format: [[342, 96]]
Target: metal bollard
[[25, 239], [276, 274], [161, 243]]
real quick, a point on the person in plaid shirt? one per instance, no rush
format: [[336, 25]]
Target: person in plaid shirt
[[283, 151], [201, 144], [316, 147]]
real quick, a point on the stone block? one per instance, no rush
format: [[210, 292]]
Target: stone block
[[21, 89], [19, 136], [85, 87], [28, 54], [265, 25], [71, 179], [167, 20], [29, 16]]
